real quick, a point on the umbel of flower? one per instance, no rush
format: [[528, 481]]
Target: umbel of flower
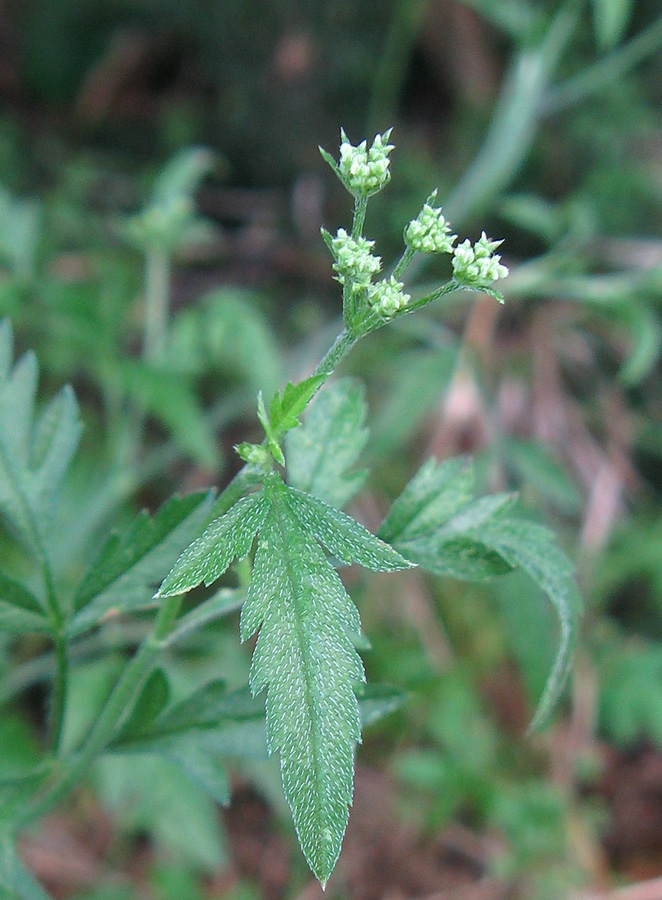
[[354, 261], [478, 265], [387, 297], [365, 171], [429, 232]]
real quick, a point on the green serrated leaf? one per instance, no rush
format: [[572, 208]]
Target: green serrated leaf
[[306, 660], [342, 535], [286, 408], [226, 538], [320, 453], [130, 564], [464, 558], [436, 524], [34, 454], [435, 494]]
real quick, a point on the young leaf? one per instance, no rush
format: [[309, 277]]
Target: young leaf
[[321, 452], [305, 657], [34, 453], [228, 537], [16, 883], [285, 410], [131, 562]]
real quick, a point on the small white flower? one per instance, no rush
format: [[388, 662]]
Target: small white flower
[[387, 297], [354, 261], [429, 232], [365, 171], [478, 265]]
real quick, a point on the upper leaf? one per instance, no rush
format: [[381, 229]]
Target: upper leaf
[[226, 538], [34, 452], [320, 453], [131, 562]]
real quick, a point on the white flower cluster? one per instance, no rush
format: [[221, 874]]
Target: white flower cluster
[[478, 265], [429, 232], [387, 297], [365, 171], [354, 261]]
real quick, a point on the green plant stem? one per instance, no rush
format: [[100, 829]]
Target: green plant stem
[[60, 684], [358, 221], [403, 262], [133, 676], [61, 680], [157, 302], [336, 352]]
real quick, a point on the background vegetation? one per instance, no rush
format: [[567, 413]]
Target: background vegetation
[[540, 120]]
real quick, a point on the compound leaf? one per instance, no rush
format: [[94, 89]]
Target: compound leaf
[[436, 523], [226, 538], [305, 657], [321, 452]]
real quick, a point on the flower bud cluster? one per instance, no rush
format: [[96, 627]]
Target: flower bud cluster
[[429, 232], [387, 297], [365, 171], [478, 265], [354, 261]]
